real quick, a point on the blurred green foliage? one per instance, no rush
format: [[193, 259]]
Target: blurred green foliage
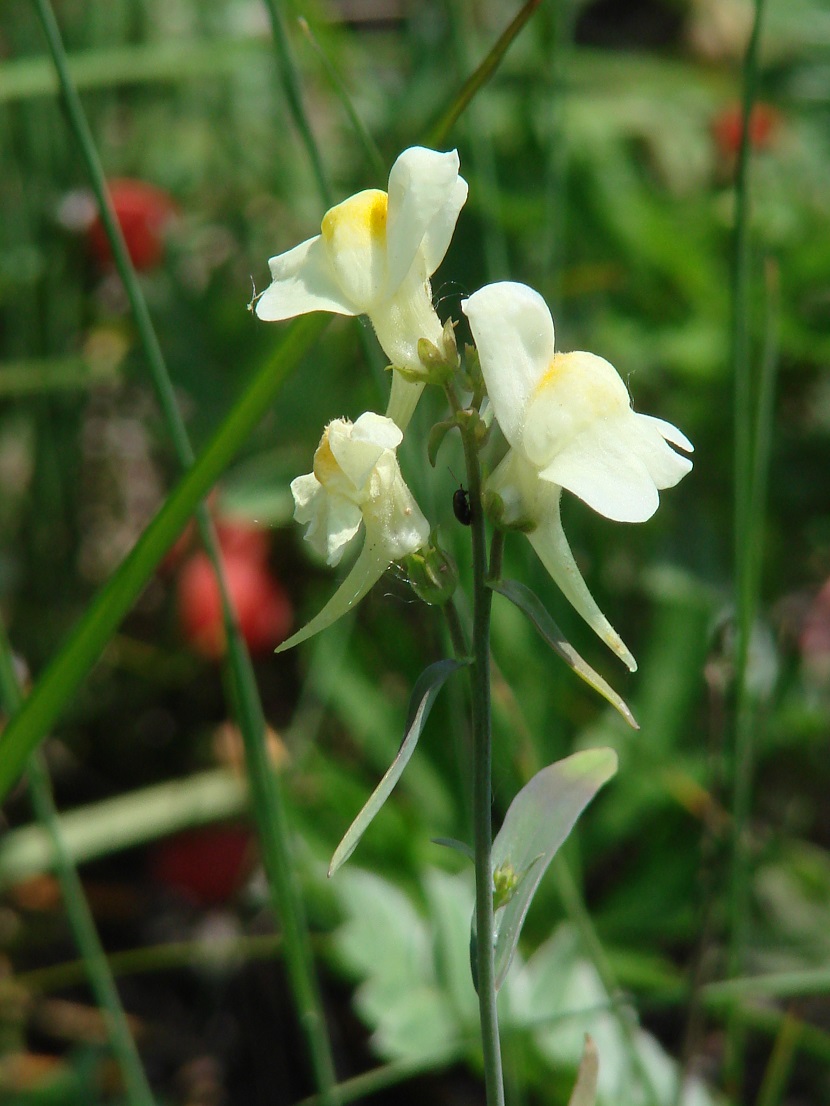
[[601, 172]]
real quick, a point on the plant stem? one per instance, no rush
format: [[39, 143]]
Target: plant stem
[[482, 797], [78, 913], [265, 791], [748, 503]]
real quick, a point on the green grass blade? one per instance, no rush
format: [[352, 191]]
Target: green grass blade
[[54, 374], [77, 909], [100, 829], [370, 147], [437, 133], [141, 63], [64, 675], [294, 97], [265, 793]]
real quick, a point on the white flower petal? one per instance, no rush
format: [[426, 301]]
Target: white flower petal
[[354, 235], [342, 522], [401, 321], [422, 184], [355, 457], [394, 520], [578, 391], [440, 230], [379, 429], [599, 466], [513, 331], [367, 570], [645, 438], [302, 281], [670, 433], [332, 520], [552, 548], [305, 490]]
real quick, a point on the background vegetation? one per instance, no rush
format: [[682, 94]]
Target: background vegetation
[[602, 159]]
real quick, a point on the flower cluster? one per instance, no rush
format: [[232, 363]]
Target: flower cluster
[[566, 417]]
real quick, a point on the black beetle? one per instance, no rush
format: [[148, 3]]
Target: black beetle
[[461, 506]]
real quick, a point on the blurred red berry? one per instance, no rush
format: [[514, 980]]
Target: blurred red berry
[[727, 128], [240, 538], [262, 607], [144, 213], [206, 865]]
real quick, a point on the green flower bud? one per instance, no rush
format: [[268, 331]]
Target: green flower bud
[[432, 574]]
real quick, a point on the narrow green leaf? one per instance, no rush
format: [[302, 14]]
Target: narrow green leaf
[[530, 604], [53, 374], [123, 822], [459, 846], [537, 822], [72, 664], [426, 689], [437, 133]]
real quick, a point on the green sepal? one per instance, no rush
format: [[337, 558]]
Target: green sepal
[[432, 574], [436, 438]]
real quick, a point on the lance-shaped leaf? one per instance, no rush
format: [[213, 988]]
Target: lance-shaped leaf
[[426, 689], [531, 605], [537, 822]]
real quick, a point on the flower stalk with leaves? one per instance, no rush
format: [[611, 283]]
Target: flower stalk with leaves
[[566, 422]]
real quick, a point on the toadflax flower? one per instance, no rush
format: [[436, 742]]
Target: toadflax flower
[[356, 482], [374, 257], [568, 420]]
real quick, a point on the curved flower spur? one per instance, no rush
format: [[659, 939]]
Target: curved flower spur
[[374, 256], [568, 420]]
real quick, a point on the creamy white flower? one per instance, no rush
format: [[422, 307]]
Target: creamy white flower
[[568, 420], [374, 257], [356, 482]]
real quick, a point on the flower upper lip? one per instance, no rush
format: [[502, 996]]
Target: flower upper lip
[[569, 414], [370, 242]]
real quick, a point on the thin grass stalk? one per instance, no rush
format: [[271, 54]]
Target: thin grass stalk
[[294, 96], [747, 533], [78, 914], [265, 792], [370, 147], [75, 659], [780, 1067], [480, 138], [437, 133], [559, 20]]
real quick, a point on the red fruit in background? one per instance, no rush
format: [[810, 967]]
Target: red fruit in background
[[727, 128], [242, 539], [262, 607], [206, 865], [144, 212]]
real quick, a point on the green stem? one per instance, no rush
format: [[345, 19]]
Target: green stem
[[482, 790], [746, 540], [78, 913], [265, 791]]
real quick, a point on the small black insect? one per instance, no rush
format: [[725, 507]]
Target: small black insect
[[461, 506]]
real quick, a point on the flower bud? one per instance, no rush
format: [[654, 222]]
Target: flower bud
[[432, 574]]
